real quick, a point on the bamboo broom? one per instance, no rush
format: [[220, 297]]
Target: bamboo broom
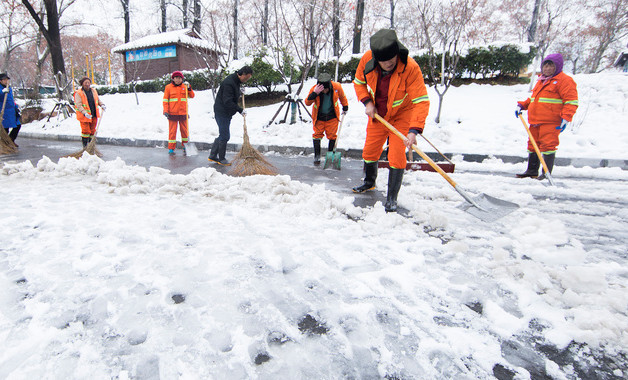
[[91, 146], [7, 146], [249, 161]]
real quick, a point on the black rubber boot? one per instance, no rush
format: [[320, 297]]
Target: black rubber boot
[[213, 153], [369, 179], [317, 151], [331, 145], [549, 161], [395, 176], [533, 166], [85, 141]]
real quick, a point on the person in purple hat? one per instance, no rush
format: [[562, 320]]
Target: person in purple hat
[[551, 107]]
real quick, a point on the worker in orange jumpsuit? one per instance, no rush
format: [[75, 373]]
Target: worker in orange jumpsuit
[[86, 103], [176, 95], [326, 97], [551, 107], [390, 83]]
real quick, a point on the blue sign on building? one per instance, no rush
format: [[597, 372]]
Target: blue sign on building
[[151, 53]]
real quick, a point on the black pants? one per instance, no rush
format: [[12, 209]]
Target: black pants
[[14, 132]]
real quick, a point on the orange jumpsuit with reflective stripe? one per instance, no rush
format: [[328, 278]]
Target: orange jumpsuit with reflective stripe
[[88, 126], [329, 127], [407, 107], [176, 105], [552, 101]]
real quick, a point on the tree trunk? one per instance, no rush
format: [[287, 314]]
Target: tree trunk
[[265, 24], [196, 25], [162, 8], [127, 20], [392, 14], [236, 3], [336, 28], [357, 30], [534, 21], [184, 10]]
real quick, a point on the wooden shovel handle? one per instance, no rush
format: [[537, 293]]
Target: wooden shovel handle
[[536, 147], [416, 149]]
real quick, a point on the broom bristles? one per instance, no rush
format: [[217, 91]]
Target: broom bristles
[[249, 161], [7, 146], [90, 149]]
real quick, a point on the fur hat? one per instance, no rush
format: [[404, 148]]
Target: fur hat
[[177, 74], [384, 45]]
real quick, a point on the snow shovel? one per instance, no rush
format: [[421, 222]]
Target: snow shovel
[[190, 147], [333, 158], [538, 152], [483, 207]]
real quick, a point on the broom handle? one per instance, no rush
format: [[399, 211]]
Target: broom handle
[[537, 150], [4, 103], [244, 116], [416, 149], [187, 113], [432, 163], [429, 142]]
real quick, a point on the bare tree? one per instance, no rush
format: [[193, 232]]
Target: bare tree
[[52, 34], [611, 26], [443, 26], [13, 20]]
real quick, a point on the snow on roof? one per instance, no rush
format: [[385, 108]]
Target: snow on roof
[[185, 37]]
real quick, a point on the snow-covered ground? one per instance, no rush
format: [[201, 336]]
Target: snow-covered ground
[[112, 271]]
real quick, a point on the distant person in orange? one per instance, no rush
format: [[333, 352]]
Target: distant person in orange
[[176, 95], [86, 103], [551, 107], [390, 83], [326, 97]]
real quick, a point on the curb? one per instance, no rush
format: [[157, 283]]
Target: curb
[[352, 153]]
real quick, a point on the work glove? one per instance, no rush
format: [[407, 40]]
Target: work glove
[[345, 109], [518, 111], [87, 115], [5, 90], [562, 126], [243, 112], [187, 84], [103, 107], [167, 115]]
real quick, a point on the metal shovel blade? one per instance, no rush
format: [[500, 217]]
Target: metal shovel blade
[[335, 160], [328, 159], [190, 149], [490, 208]]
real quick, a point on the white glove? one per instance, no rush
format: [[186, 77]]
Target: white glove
[[87, 115], [103, 107], [5, 90], [243, 112], [186, 83]]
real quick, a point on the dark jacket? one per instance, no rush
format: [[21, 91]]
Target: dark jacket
[[227, 98]]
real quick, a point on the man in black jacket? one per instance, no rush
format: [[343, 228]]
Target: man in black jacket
[[225, 107]]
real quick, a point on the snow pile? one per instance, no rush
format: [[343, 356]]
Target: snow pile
[[117, 271]]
